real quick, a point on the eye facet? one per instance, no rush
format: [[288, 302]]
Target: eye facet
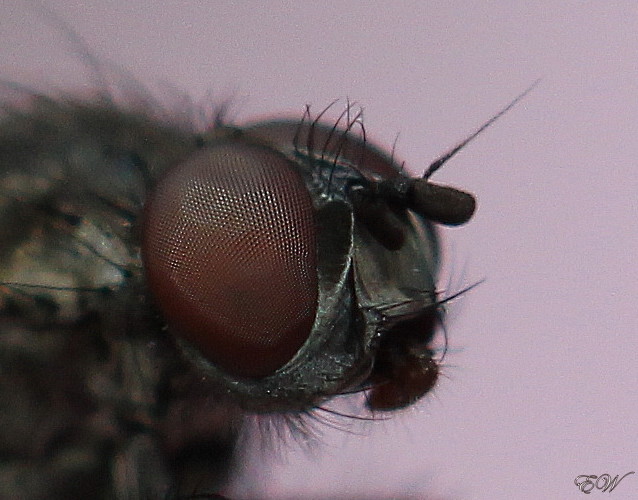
[[229, 247]]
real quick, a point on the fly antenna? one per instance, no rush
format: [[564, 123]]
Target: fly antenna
[[437, 164]]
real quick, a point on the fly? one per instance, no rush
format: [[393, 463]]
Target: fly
[[159, 283]]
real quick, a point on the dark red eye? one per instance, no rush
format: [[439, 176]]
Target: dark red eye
[[229, 247]]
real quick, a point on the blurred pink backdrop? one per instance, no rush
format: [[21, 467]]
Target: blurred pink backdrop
[[541, 382]]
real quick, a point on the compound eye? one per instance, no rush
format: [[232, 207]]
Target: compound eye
[[229, 248]]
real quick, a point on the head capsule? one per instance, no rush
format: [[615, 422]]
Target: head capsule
[[295, 261]]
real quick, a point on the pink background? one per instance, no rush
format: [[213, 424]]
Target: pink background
[[541, 381]]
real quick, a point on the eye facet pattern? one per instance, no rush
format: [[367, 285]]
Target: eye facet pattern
[[229, 248]]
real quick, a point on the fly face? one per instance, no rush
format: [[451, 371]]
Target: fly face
[[287, 256], [324, 255], [157, 283], [393, 253]]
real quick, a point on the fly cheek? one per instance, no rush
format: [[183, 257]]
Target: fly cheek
[[229, 248], [396, 291], [395, 254]]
